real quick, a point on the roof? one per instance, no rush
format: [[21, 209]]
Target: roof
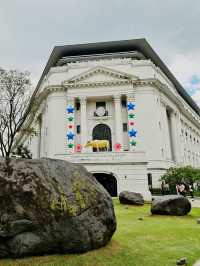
[[140, 45]]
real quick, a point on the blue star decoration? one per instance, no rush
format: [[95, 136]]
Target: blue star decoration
[[70, 135], [132, 133], [70, 110], [131, 106]]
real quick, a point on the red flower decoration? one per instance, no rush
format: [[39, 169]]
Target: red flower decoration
[[78, 148], [117, 146], [131, 123], [70, 126]]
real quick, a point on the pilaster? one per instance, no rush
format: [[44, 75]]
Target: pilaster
[[83, 103], [118, 120]]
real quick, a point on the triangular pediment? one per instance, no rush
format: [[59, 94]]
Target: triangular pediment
[[100, 74]]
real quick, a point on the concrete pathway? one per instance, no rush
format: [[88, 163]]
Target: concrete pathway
[[195, 202]]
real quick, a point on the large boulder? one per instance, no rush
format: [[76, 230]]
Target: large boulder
[[171, 205], [49, 206], [132, 198]]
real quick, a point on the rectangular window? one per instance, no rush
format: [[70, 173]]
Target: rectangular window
[[149, 175], [77, 106], [123, 103], [100, 104], [78, 129], [125, 127]]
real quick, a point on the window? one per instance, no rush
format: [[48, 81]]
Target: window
[[123, 103], [100, 104], [125, 127], [149, 175], [77, 106], [78, 129]]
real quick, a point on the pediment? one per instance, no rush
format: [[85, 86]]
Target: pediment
[[100, 75]]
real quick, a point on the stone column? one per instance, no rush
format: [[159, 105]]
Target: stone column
[[118, 120], [175, 139], [83, 104]]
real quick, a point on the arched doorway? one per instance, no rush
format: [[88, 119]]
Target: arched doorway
[[108, 181], [102, 131]]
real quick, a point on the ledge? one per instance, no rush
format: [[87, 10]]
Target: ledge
[[129, 157]]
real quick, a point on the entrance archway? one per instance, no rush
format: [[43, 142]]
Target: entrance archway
[[108, 181], [102, 131]]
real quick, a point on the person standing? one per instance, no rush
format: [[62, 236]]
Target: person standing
[[182, 190], [163, 187], [166, 188], [191, 190], [178, 189]]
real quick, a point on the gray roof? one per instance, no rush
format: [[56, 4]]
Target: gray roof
[[139, 45]]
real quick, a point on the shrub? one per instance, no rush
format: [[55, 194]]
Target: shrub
[[187, 174]]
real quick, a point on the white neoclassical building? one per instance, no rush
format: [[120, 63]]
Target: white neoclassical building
[[122, 92]]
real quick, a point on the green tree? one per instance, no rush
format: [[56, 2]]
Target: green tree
[[186, 174]]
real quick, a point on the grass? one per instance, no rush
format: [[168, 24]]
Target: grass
[[153, 241]]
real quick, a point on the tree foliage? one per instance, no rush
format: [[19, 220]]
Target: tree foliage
[[186, 174], [14, 98]]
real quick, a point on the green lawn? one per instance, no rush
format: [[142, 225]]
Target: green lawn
[[154, 241]]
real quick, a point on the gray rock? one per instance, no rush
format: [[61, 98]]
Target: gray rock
[[171, 205], [52, 206], [132, 198], [198, 221], [182, 261]]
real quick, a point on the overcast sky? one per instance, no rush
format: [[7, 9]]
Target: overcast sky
[[31, 28]]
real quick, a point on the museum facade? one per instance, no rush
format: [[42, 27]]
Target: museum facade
[[120, 92]]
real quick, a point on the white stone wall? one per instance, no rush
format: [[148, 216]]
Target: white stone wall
[[131, 177]]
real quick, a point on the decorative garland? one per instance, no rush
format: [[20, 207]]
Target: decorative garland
[[132, 132], [70, 130]]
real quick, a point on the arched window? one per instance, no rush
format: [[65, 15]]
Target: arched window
[[102, 131]]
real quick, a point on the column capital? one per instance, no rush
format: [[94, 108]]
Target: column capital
[[83, 99], [117, 96], [70, 98], [130, 96]]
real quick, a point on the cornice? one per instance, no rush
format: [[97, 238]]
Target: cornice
[[58, 69], [182, 106], [100, 62], [97, 84], [149, 63]]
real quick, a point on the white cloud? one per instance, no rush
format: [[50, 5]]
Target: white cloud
[[185, 66]]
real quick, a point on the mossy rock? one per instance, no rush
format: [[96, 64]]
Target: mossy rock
[[52, 206]]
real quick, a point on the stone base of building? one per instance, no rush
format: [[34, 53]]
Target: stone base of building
[[116, 171]]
